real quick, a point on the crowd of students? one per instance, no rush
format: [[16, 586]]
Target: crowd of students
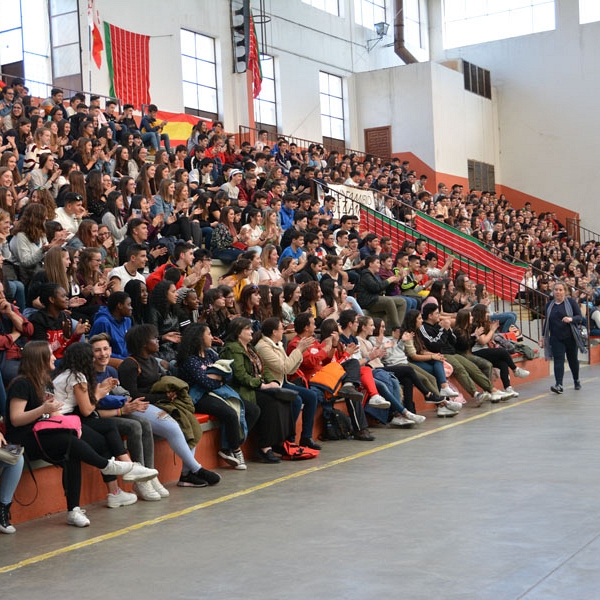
[[109, 308]]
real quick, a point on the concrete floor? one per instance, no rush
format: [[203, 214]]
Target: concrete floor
[[501, 503]]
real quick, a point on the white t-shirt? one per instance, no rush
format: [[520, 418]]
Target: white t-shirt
[[123, 275], [64, 392]]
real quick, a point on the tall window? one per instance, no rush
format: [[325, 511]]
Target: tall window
[[64, 32], [199, 71], [369, 12], [265, 106], [412, 23], [330, 6], [25, 43], [467, 22], [589, 11], [332, 106]]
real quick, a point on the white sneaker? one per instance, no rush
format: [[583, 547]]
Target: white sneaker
[[512, 390], [242, 461], [116, 467], [521, 372], [501, 396], [163, 492], [401, 422], [139, 473], [448, 392], [453, 406], [121, 498], [146, 491], [412, 417], [444, 411], [229, 457], [481, 397], [379, 401], [77, 518]]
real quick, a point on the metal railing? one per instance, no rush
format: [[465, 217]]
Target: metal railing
[[528, 303], [250, 134], [41, 90], [579, 233]]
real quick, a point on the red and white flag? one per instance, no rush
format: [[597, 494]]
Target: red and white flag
[[94, 23], [128, 57]]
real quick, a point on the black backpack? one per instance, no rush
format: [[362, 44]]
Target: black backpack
[[336, 426]]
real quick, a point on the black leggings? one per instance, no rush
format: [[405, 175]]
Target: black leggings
[[228, 416], [501, 359], [56, 445], [103, 436], [408, 379]]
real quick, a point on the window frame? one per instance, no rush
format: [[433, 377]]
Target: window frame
[[199, 111], [266, 59], [326, 133], [508, 21], [317, 4]]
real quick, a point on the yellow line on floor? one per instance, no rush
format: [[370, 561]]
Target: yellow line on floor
[[256, 488]]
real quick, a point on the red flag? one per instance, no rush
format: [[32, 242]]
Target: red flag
[[254, 61], [97, 45]]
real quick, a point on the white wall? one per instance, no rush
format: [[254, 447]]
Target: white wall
[[431, 115], [303, 40], [400, 97], [546, 88]]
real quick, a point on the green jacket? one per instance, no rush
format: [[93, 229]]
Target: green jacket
[[243, 382]]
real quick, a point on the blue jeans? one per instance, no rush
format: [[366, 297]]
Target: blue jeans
[[9, 479], [17, 291], [164, 426], [207, 236], [355, 306], [227, 255], [308, 398], [156, 139], [436, 368], [389, 387], [411, 303], [506, 319]]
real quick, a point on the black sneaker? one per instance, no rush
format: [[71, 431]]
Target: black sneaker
[[557, 389], [191, 480], [310, 443], [432, 398], [578, 385], [364, 435], [210, 477], [350, 392], [269, 456]]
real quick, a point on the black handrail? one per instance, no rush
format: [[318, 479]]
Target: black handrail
[[579, 233], [531, 303], [250, 134]]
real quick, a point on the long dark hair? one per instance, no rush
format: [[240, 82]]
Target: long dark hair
[[34, 367], [463, 323], [328, 289], [192, 342], [158, 298], [79, 358], [111, 207], [140, 311], [410, 325]]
